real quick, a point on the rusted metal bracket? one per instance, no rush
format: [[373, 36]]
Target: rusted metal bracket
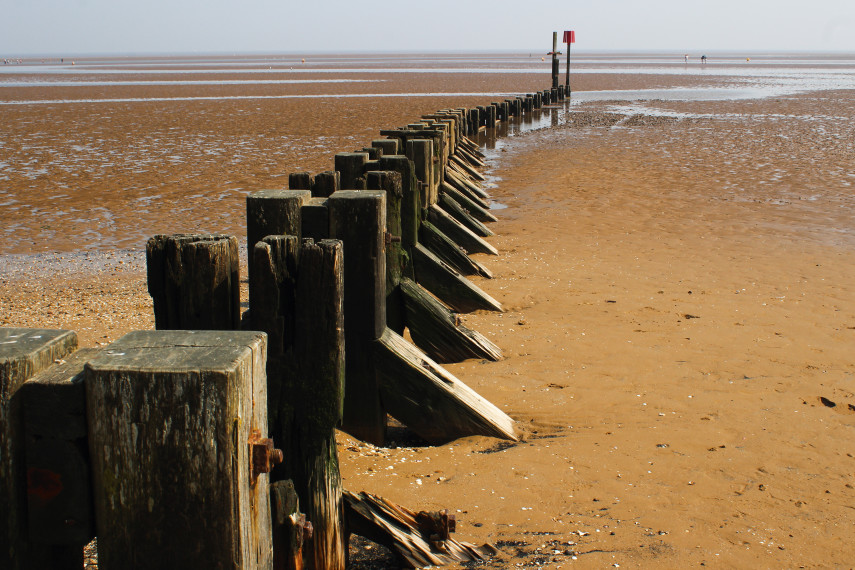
[[263, 456]]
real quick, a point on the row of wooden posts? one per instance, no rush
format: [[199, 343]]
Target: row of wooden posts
[[210, 442]]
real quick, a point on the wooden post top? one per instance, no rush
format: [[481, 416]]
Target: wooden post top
[[17, 343], [276, 194], [178, 351]]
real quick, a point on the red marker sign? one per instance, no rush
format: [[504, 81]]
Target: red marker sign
[[569, 37]]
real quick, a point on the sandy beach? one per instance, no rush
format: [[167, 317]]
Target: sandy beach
[[678, 277]]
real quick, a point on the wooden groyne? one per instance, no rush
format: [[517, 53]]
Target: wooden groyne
[[211, 440]]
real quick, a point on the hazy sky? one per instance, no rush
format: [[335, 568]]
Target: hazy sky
[[65, 27]]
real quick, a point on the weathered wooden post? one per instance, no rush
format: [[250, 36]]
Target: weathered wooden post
[[398, 264], [177, 428], [554, 54], [194, 281], [350, 165], [358, 218], [273, 213], [23, 353], [326, 183], [420, 151], [300, 181], [61, 518]]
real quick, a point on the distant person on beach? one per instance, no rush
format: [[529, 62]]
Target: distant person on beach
[[703, 59], [687, 58]]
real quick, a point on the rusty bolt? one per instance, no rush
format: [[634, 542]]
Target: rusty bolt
[[391, 239], [263, 456]]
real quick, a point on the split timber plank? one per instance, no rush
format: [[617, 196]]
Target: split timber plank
[[468, 168], [466, 187], [439, 332], [448, 285], [413, 536], [431, 401]]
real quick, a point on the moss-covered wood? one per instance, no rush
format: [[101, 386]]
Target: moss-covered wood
[[410, 205], [194, 281], [450, 286]]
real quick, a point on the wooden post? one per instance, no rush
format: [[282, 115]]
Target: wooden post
[[61, 518], [194, 281], [387, 146], [326, 183], [453, 208], [273, 213], [398, 262], [177, 423], [410, 211], [358, 218], [421, 152], [300, 181], [23, 354], [315, 219], [350, 166], [555, 60], [311, 459]]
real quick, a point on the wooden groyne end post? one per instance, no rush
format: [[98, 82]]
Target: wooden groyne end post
[[194, 281], [178, 448], [23, 354]]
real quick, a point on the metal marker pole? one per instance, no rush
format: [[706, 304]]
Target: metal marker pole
[[567, 75]]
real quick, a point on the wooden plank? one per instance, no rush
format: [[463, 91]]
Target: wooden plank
[[444, 248], [471, 182], [358, 218], [474, 208], [439, 332], [170, 417], [431, 401], [194, 281], [460, 234], [451, 207], [466, 187], [23, 353], [448, 285]]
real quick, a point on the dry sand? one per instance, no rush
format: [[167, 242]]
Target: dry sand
[[679, 335]]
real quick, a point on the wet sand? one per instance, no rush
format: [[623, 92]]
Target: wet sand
[[678, 279]]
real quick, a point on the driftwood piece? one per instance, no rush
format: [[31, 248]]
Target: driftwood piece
[[474, 208], [460, 234], [438, 331], [429, 400], [23, 354], [452, 208], [419, 539], [448, 285], [447, 250], [175, 420], [194, 281], [60, 515], [358, 218]]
